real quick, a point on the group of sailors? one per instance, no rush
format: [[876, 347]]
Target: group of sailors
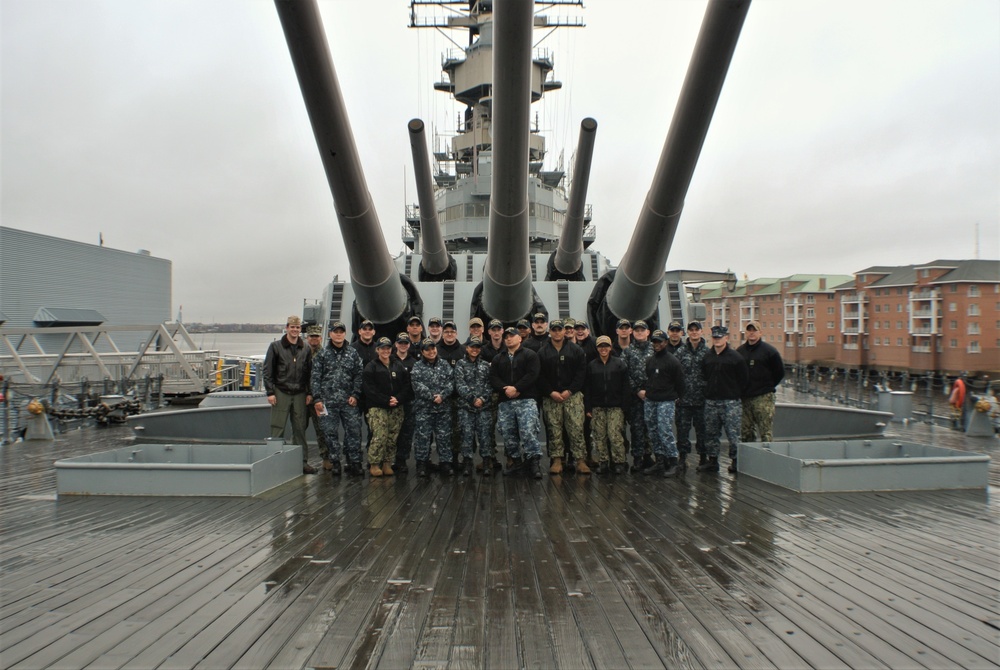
[[425, 388]]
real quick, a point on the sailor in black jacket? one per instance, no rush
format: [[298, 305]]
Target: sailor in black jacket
[[766, 372], [385, 383], [513, 374], [560, 384], [605, 393], [663, 385], [726, 376]]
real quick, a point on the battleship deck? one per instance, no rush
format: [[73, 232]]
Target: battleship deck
[[570, 572]]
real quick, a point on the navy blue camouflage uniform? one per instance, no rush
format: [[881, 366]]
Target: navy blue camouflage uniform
[[517, 417], [336, 376], [472, 382], [691, 406], [433, 420], [635, 356]]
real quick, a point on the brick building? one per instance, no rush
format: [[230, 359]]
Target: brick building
[[941, 316]]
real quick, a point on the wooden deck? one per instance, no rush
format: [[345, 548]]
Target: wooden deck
[[570, 572]]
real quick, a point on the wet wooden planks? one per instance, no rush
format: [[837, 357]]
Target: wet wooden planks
[[698, 572]]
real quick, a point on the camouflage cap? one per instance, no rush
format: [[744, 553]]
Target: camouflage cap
[[338, 325], [314, 330], [293, 321], [719, 331]]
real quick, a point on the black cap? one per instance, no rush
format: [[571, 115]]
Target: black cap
[[435, 321], [510, 331], [338, 325], [496, 323], [719, 331], [623, 323], [523, 323], [675, 325], [450, 324], [383, 342], [556, 324], [658, 336], [402, 338], [414, 319], [640, 324], [539, 316], [582, 324], [366, 322], [694, 324], [428, 343], [473, 342]]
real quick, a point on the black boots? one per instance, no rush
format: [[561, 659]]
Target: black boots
[[711, 464], [534, 467]]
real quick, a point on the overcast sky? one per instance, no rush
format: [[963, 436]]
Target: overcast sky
[[849, 133]]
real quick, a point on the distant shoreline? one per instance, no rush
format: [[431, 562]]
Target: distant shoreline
[[257, 328]]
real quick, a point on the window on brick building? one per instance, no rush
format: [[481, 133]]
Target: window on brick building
[[974, 328], [876, 324], [899, 341], [973, 347], [953, 344], [886, 324], [952, 306], [899, 307], [899, 324], [810, 341], [878, 308], [829, 338], [954, 324], [810, 313], [878, 341], [974, 309], [829, 324], [973, 291], [954, 288], [829, 310]]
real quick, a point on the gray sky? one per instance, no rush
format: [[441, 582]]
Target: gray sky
[[849, 133]]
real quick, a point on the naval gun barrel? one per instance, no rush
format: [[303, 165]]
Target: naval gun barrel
[[378, 290], [435, 261], [507, 290], [635, 290], [568, 257]]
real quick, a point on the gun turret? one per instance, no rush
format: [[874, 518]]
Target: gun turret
[[567, 260], [507, 290], [379, 291], [436, 264], [636, 284]]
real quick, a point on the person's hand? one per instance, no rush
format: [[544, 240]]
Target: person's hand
[[352, 401], [319, 408], [272, 400]]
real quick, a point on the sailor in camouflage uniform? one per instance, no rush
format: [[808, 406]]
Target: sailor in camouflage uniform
[[606, 389], [726, 375], [404, 443], [635, 356], [563, 369], [472, 381], [664, 384], [336, 387], [691, 406], [433, 385]]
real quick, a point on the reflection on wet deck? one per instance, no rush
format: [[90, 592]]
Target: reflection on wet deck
[[568, 572]]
